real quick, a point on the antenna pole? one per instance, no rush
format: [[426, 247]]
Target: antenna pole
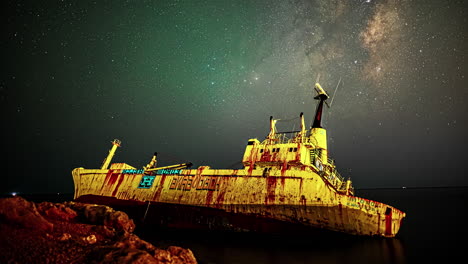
[[333, 97]]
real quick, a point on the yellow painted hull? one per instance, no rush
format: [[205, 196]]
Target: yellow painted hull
[[299, 196]]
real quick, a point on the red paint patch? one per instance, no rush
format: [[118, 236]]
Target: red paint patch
[[209, 197], [298, 153], [106, 179], [113, 178], [121, 178], [388, 223], [252, 158], [266, 156], [250, 169], [108, 176], [378, 223], [284, 168], [157, 194], [274, 157], [200, 170], [220, 200], [271, 188]]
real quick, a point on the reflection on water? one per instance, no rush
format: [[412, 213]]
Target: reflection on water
[[218, 247]]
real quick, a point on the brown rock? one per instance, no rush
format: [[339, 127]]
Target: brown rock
[[174, 255], [122, 256], [104, 215], [91, 239], [65, 237], [133, 241], [18, 211], [119, 221], [56, 211], [105, 231], [162, 256], [81, 233], [181, 255]]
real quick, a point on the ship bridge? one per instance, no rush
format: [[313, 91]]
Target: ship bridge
[[296, 150]]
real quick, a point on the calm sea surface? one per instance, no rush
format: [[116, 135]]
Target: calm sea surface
[[434, 230]]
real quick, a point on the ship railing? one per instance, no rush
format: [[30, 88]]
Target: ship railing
[[338, 175], [335, 178], [284, 139], [340, 182]]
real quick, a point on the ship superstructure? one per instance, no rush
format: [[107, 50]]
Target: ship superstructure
[[287, 179]]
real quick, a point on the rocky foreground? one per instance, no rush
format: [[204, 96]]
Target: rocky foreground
[[75, 233]]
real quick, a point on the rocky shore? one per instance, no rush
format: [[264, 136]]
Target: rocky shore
[[73, 232]]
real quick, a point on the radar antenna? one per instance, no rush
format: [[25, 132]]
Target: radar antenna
[[322, 96], [333, 97]]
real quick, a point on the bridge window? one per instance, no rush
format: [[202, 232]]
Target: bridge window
[[261, 150]]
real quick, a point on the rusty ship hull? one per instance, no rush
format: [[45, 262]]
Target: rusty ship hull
[[287, 180], [240, 200]]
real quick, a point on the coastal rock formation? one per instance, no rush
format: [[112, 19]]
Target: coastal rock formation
[[21, 213], [73, 232]]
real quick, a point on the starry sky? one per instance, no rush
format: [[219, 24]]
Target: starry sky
[[194, 80]]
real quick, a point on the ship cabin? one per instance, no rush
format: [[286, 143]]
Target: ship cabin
[[282, 153], [287, 153]]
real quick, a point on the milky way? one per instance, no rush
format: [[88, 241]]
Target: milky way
[[194, 80], [381, 38]]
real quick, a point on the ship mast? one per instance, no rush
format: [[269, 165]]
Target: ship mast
[[318, 135], [116, 143]]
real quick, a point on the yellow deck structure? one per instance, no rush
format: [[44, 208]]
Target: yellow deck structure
[[283, 179]]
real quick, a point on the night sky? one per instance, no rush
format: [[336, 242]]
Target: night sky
[[194, 80]]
